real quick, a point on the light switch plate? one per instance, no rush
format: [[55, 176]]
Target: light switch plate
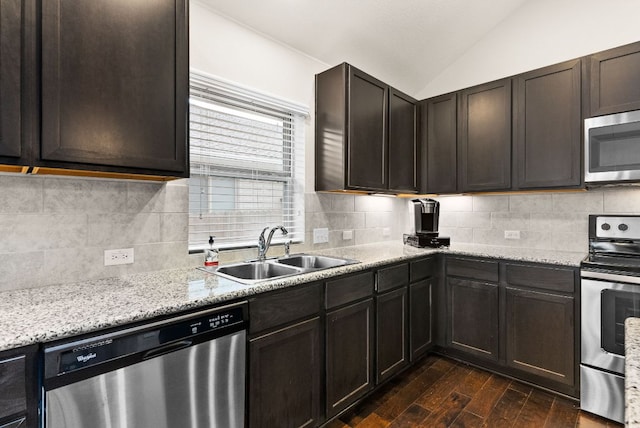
[[122, 256], [320, 235], [347, 235]]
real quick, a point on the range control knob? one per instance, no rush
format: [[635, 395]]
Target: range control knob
[[605, 226], [622, 227]]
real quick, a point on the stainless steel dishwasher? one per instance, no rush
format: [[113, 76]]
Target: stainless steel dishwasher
[[186, 372]]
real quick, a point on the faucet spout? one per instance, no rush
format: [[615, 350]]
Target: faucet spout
[[263, 244]]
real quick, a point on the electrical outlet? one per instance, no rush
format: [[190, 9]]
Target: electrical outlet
[[320, 235], [386, 232], [511, 234], [347, 235], [122, 256]]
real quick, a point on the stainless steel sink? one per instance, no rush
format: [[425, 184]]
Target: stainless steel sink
[[257, 271], [308, 261], [252, 272]]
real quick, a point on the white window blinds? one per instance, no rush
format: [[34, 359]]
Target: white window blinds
[[247, 164]]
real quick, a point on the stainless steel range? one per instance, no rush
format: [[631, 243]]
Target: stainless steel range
[[610, 293]]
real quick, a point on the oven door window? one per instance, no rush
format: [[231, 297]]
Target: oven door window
[[617, 306], [614, 148]]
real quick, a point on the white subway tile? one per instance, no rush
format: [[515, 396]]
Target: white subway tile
[[474, 219], [509, 221], [31, 232], [122, 230], [586, 202], [84, 196], [22, 270], [530, 203], [174, 227], [374, 203], [623, 201], [21, 194], [490, 203], [455, 203], [342, 203]]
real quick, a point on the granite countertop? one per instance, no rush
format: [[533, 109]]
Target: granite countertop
[[632, 372], [54, 312]]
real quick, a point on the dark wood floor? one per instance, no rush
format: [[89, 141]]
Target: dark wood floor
[[444, 393]]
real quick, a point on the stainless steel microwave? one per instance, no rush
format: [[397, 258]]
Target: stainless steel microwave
[[612, 148]]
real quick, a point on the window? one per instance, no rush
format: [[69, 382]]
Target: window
[[247, 164]]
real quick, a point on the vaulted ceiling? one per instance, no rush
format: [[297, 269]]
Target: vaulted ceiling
[[404, 42]]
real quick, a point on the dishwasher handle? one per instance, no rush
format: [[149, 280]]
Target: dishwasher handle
[[156, 352]]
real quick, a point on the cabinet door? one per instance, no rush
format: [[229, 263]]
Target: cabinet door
[[484, 140], [547, 127], [540, 334], [13, 388], [19, 387], [613, 81], [438, 140], [115, 84], [473, 309], [403, 147], [349, 353], [10, 80], [391, 337], [284, 377], [367, 144], [420, 337]]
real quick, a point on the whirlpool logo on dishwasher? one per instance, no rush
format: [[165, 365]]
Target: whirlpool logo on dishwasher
[[85, 358]]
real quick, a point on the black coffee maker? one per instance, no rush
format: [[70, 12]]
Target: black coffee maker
[[426, 214]]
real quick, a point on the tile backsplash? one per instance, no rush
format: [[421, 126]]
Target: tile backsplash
[[553, 221], [55, 229]]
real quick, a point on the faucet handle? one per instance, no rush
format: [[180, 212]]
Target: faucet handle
[[287, 248]]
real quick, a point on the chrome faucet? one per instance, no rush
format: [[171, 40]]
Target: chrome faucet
[[263, 245]]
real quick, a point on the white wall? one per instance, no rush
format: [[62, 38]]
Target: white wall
[[229, 50], [224, 48], [541, 33]]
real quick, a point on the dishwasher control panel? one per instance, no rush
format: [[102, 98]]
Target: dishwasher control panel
[[163, 336]]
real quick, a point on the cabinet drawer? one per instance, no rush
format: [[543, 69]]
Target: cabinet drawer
[[349, 289], [393, 277], [545, 278], [13, 394], [281, 308], [475, 269], [421, 269]]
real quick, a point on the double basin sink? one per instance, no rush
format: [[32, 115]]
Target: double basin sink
[[256, 271]]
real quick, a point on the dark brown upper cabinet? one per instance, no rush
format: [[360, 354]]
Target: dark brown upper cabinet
[[438, 144], [612, 81], [115, 86], [547, 132], [11, 66], [484, 137], [403, 143], [359, 121]]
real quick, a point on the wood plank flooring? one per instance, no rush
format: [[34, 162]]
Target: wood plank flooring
[[440, 392]]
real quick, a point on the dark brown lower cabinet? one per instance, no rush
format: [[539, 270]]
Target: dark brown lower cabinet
[[285, 373], [349, 352], [473, 317], [540, 334], [420, 317], [18, 388], [391, 337]]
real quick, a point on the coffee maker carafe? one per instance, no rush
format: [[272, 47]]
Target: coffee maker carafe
[[426, 215]]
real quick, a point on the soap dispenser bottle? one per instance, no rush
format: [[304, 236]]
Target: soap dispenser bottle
[[211, 255]]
